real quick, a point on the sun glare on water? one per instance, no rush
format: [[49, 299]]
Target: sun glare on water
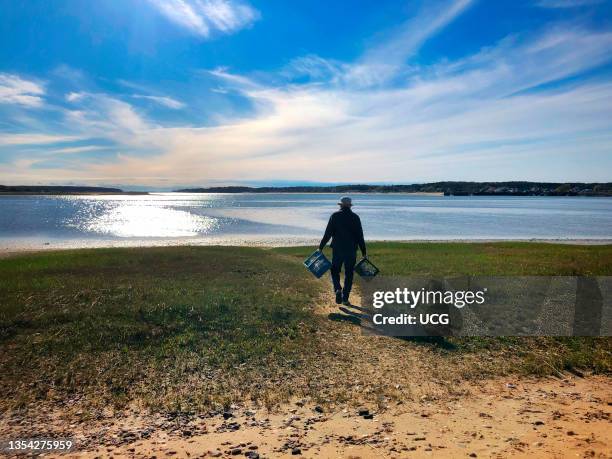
[[130, 220]]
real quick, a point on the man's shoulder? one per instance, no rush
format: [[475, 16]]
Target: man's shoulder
[[344, 214]]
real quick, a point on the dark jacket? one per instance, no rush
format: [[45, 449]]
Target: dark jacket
[[344, 227]]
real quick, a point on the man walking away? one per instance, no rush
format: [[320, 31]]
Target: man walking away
[[344, 228]]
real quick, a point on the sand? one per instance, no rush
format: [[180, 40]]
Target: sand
[[500, 418]]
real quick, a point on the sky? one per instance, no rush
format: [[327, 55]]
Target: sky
[[160, 94]]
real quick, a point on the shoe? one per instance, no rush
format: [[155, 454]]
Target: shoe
[[347, 303], [338, 296]]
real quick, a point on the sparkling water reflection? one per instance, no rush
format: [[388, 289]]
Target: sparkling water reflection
[[291, 218], [129, 220]]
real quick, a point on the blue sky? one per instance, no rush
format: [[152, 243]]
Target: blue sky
[[166, 93]]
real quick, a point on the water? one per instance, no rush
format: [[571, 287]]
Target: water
[[182, 218]]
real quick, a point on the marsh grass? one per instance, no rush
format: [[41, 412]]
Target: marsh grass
[[526, 355], [486, 259], [199, 328], [172, 327]]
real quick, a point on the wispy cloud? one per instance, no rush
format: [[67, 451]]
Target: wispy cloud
[[34, 139], [239, 81], [74, 96], [104, 115], [75, 150], [19, 91], [384, 59], [202, 17], [512, 110], [168, 102], [463, 112]]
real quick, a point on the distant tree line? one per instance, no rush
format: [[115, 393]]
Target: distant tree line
[[448, 188], [56, 189]]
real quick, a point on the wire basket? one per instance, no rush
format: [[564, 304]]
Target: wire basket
[[366, 269]]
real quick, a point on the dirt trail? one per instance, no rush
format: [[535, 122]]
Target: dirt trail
[[379, 397]]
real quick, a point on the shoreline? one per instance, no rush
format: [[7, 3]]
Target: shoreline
[[38, 246], [75, 193], [137, 193], [398, 193]]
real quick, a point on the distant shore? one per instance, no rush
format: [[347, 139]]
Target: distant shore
[[448, 188], [138, 193], [394, 193], [72, 193]]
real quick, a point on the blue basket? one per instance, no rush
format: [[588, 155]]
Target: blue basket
[[366, 269], [317, 263]]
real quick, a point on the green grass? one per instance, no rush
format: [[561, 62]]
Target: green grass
[[189, 328], [171, 326], [528, 355], [502, 258]]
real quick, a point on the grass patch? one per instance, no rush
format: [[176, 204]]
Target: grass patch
[[490, 259], [194, 328], [527, 355], [173, 327]]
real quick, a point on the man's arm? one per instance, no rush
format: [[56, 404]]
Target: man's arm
[[360, 239], [329, 232]]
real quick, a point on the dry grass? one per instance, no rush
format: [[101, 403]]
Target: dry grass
[[174, 329], [192, 329]]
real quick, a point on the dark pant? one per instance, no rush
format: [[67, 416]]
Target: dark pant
[[347, 259]]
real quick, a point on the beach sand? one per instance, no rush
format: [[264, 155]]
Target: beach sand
[[498, 418]]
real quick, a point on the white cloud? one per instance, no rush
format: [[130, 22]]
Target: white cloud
[[315, 68], [16, 90], [102, 115], [484, 116], [202, 17], [75, 96], [465, 113], [232, 79], [385, 59], [34, 139], [75, 150], [168, 102], [411, 35]]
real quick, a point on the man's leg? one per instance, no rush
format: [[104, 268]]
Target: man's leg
[[335, 274], [349, 269]]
